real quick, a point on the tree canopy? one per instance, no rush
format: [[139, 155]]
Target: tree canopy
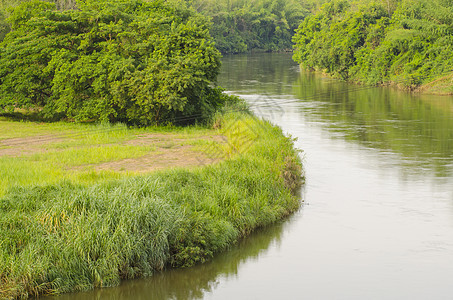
[[405, 42], [242, 25], [135, 61]]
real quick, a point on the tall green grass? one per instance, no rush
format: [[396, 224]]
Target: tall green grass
[[70, 237]]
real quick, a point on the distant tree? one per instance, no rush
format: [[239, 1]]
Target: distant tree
[[242, 25]]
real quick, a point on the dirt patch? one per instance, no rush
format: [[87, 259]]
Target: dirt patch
[[155, 138], [183, 156], [168, 140], [168, 151], [172, 151], [28, 145]]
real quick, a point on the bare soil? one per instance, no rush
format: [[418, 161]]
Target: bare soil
[[168, 151], [164, 158], [27, 145]]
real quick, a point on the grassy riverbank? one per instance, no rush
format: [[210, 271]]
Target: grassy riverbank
[[74, 234]]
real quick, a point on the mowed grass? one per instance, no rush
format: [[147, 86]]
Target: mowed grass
[[70, 236], [45, 153]]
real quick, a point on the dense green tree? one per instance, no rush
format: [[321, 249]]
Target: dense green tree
[[408, 43], [132, 61], [329, 39], [242, 25], [237, 25]]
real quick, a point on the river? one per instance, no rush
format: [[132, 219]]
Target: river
[[377, 215]]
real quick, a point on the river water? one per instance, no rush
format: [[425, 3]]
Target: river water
[[377, 214]]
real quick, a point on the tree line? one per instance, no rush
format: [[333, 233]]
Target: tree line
[[239, 26], [135, 61], [155, 61], [405, 42]]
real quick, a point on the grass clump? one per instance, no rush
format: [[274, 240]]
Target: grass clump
[[70, 237]]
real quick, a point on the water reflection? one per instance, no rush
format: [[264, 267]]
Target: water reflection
[[262, 74], [195, 282], [417, 127]]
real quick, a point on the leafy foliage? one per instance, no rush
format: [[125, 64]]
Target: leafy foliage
[[405, 42], [131, 61], [7, 5], [239, 26]]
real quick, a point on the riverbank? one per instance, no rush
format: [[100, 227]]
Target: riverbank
[[376, 44], [73, 235], [441, 86]]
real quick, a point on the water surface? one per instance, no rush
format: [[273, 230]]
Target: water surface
[[377, 218]]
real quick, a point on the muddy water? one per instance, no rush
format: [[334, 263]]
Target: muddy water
[[377, 218]]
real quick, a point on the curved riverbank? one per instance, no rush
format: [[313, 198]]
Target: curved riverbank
[[71, 237]]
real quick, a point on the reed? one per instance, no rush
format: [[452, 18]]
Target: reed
[[69, 236]]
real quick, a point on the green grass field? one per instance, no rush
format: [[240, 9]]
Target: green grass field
[[66, 226], [44, 153]]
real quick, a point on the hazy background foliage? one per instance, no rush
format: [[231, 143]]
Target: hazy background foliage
[[400, 41], [242, 25]]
